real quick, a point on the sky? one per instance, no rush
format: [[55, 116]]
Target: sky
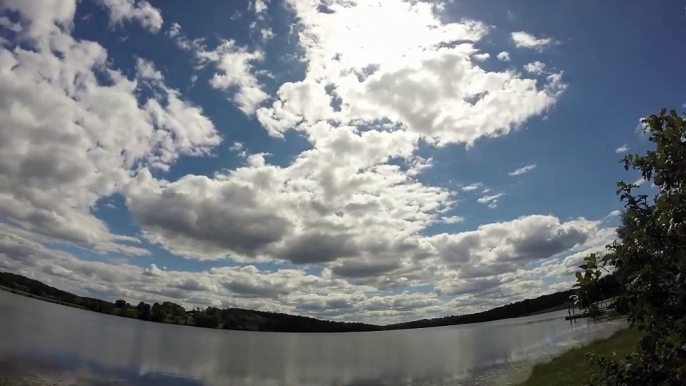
[[375, 161]]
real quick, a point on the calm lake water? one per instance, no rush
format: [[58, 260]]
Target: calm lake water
[[45, 343]]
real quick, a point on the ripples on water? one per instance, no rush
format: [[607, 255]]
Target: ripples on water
[[48, 344]]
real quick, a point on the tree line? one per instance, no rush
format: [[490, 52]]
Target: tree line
[[558, 300], [252, 320], [170, 312]]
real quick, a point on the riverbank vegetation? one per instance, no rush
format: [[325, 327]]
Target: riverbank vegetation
[[648, 263], [575, 367], [251, 320]]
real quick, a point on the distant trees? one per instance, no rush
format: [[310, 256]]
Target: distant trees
[[143, 311], [210, 318], [251, 320], [512, 310], [648, 263], [157, 313]]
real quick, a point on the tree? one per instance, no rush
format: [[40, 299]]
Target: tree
[[209, 318], [120, 303], [157, 313], [648, 262], [143, 311]]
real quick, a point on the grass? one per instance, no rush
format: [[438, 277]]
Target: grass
[[573, 368]]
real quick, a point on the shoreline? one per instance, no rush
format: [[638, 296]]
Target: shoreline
[[255, 320], [573, 368]]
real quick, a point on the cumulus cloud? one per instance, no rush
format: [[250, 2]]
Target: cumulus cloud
[[498, 246], [504, 56], [452, 219], [152, 270], [523, 39], [235, 74], [485, 263], [234, 65], [536, 68], [141, 11], [183, 42], [613, 214], [523, 170], [266, 34], [409, 74], [335, 196], [403, 302], [490, 199], [352, 207], [260, 6], [82, 130], [622, 149], [472, 187], [481, 57]]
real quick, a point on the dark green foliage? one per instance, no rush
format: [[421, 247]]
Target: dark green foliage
[[143, 311], [512, 310], [157, 314], [648, 262]]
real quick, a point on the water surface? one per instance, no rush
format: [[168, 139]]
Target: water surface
[[46, 343]]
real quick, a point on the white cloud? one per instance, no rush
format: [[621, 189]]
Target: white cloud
[[523, 170], [235, 73], [6, 23], [614, 213], [523, 39], [407, 72], [152, 270], [336, 195], [622, 149], [504, 56], [639, 181], [81, 131], [472, 187], [482, 268], [481, 57], [237, 147], [266, 34], [452, 219], [45, 18], [123, 10], [260, 7], [234, 66], [183, 42], [536, 68], [402, 302], [525, 238], [380, 78], [490, 200]]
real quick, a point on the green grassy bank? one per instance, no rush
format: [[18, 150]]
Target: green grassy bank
[[573, 368]]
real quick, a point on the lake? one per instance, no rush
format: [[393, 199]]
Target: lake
[[45, 343]]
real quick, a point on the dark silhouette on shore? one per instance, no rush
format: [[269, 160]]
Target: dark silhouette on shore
[[251, 320]]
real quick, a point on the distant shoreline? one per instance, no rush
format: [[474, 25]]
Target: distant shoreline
[[252, 320]]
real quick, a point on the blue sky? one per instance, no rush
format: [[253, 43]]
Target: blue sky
[[352, 160]]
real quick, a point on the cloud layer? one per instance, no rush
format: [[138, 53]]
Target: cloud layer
[[344, 229]]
